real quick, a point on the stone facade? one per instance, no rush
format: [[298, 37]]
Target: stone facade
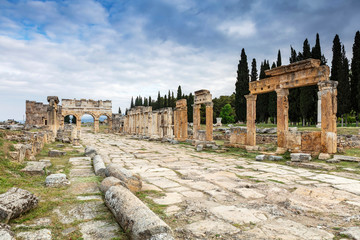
[[303, 73], [53, 114], [203, 97], [180, 120], [143, 121]]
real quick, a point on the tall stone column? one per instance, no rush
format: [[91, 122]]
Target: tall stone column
[[96, 124], [250, 119], [52, 113], [196, 120], [110, 124], [209, 121], [282, 116], [319, 110], [328, 116], [78, 123]]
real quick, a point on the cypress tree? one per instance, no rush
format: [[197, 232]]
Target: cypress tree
[[307, 101], [119, 111], [278, 62], [262, 102], [293, 57], [316, 51], [241, 87], [272, 95], [355, 76], [254, 74], [150, 103], [173, 100], [146, 103], [169, 99], [179, 93], [165, 101], [294, 93], [159, 102], [190, 102], [132, 102]]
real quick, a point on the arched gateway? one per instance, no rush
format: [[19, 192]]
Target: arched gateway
[[78, 108]]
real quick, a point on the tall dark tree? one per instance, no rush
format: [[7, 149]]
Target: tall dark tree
[[165, 101], [307, 101], [190, 102], [119, 111], [278, 62], [132, 103], [294, 93], [179, 93], [272, 95], [316, 51], [340, 73], [355, 76], [126, 111], [173, 100], [241, 87], [169, 99], [262, 102], [146, 103], [150, 102], [254, 73]]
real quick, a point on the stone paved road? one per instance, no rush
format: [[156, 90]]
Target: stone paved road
[[215, 196]]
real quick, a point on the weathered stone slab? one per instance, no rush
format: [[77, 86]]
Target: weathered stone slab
[[169, 198], [56, 180], [109, 182], [80, 212], [237, 215], [99, 166], [132, 181], [56, 153], [300, 157], [43, 234], [248, 193], [134, 216], [209, 228], [15, 202], [324, 156], [321, 166], [34, 168], [352, 232], [5, 232], [95, 230], [347, 158]]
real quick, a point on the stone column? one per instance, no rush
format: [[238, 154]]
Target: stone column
[[209, 121], [282, 116], [78, 123], [250, 119], [180, 120], [109, 124], [52, 113], [96, 124], [328, 116], [196, 120], [318, 125]]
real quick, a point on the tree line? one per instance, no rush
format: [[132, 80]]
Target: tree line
[[303, 101]]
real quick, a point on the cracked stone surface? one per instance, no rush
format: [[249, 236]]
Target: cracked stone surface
[[219, 196]]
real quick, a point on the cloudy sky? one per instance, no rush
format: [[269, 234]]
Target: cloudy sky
[[115, 49]]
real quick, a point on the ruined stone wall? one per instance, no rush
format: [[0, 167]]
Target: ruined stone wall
[[36, 113], [143, 121], [117, 122]]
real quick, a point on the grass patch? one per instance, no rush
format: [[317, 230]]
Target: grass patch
[[277, 181], [158, 209]]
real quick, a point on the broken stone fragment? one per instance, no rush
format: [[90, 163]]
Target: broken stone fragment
[[5, 232], [324, 156], [56, 180], [347, 158], [109, 182], [260, 157], [15, 202], [99, 166], [300, 157], [56, 153], [134, 216], [90, 152], [35, 168], [199, 147], [352, 232], [132, 181]]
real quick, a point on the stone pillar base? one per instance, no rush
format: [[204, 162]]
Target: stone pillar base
[[281, 150]]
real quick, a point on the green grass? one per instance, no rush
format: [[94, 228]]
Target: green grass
[[158, 209], [277, 181]]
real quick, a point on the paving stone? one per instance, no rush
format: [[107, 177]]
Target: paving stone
[[352, 232], [210, 228], [248, 193], [237, 215], [347, 158], [169, 198], [87, 198], [43, 234], [96, 230], [300, 157], [34, 168], [80, 212]]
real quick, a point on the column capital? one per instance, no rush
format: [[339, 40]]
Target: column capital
[[209, 104], [282, 92], [327, 85], [251, 97]]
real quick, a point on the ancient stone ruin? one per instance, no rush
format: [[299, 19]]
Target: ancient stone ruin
[[304, 73], [52, 115], [203, 97]]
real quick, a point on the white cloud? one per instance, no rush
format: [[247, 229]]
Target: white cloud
[[238, 28]]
